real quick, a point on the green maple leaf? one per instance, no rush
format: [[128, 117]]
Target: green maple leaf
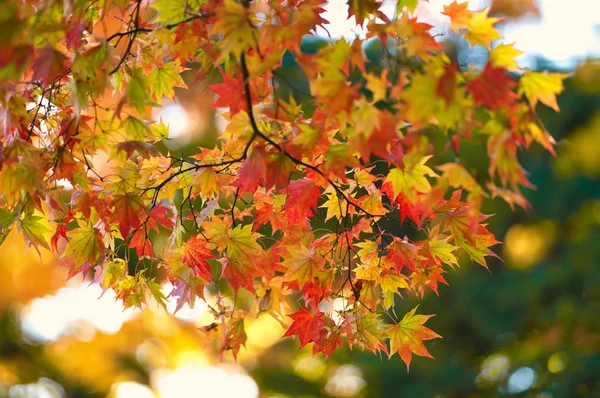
[[163, 80], [85, 245], [34, 231]]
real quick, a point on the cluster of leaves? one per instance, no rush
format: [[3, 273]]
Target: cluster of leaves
[[241, 218]]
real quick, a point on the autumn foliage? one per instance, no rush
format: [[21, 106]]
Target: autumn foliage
[[298, 204]]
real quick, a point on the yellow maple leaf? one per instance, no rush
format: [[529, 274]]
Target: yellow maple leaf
[[543, 87], [480, 29], [303, 265], [234, 22], [377, 85], [412, 179], [503, 56], [390, 284], [441, 251], [206, 183], [335, 205]]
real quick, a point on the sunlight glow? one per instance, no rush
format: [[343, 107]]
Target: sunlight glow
[[209, 381], [179, 123], [131, 389], [44, 388], [185, 313], [72, 310]]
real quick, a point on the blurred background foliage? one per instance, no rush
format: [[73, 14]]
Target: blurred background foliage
[[530, 329]]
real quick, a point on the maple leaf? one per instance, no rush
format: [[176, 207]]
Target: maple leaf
[[303, 265], [407, 336], [336, 206], [363, 9], [301, 200], [480, 29], [136, 89], [457, 176], [368, 333], [85, 246], [329, 343], [340, 132], [510, 197], [252, 172], [427, 278], [459, 14], [111, 273], [418, 41], [128, 212], [194, 254], [503, 56], [410, 5], [243, 250], [493, 88], [48, 65], [446, 87], [230, 94], [145, 149], [234, 22], [169, 11], [401, 253], [442, 251], [279, 170], [163, 79], [470, 235], [410, 180], [543, 87], [236, 334], [140, 242], [377, 85], [307, 325], [159, 214], [390, 283], [34, 232]]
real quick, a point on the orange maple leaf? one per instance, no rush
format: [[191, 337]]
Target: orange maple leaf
[[407, 336]]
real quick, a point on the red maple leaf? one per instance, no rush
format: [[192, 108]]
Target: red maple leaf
[[307, 325], [402, 253], [302, 196], [158, 214], [493, 88], [140, 242], [252, 172], [195, 255], [231, 94], [328, 343], [446, 87], [128, 212], [48, 65]]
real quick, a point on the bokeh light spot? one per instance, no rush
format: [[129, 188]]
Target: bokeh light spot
[[310, 368], [527, 245], [557, 362], [494, 369], [346, 382], [521, 380]]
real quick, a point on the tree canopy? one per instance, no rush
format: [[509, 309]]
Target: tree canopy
[[321, 207]]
